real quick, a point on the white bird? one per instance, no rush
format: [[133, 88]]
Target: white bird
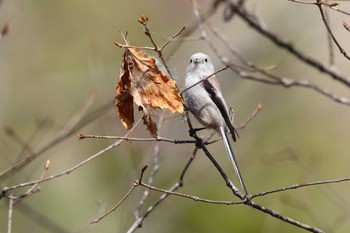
[[207, 103]]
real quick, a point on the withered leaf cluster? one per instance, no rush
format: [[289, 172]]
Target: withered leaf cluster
[[141, 82]]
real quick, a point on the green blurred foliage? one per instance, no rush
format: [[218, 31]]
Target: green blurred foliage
[[59, 52]]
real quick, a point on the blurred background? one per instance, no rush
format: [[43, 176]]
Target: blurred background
[[59, 64]]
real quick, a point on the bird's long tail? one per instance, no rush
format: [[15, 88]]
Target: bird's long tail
[[232, 158]]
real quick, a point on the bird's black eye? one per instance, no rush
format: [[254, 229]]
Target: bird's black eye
[[190, 60], [206, 60]]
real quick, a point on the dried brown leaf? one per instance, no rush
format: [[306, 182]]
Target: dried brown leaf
[[124, 99], [151, 125], [155, 87], [141, 82]]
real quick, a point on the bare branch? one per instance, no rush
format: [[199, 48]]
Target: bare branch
[[144, 21], [253, 115], [297, 186], [331, 5], [282, 43], [116, 206], [329, 40], [342, 51], [158, 139], [194, 198], [172, 38]]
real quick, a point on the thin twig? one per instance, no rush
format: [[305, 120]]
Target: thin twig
[[126, 46], [34, 188], [144, 21], [31, 190], [158, 139], [194, 198], [254, 113], [159, 50], [341, 50], [302, 2], [297, 186], [329, 40], [135, 184], [330, 5], [172, 38], [202, 80]]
